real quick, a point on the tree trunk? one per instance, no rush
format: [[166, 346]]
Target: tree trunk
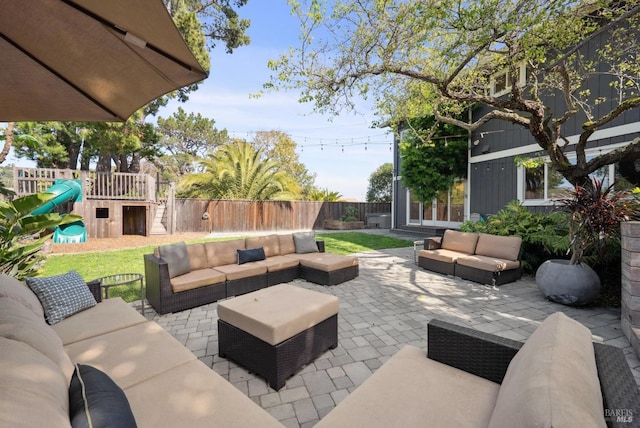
[[104, 163], [7, 142]]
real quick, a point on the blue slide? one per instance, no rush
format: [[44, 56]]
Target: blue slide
[[65, 191]]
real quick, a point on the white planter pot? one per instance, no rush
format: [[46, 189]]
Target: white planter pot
[[572, 285]]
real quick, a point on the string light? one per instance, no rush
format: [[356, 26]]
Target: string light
[[310, 142]]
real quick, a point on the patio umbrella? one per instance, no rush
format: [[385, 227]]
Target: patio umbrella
[[88, 60]]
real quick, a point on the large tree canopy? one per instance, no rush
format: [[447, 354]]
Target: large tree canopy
[[416, 58], [280, 147], [185, 139], [380, 184]]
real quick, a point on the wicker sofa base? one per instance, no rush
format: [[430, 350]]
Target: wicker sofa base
[[436, 266], [487, 277], [282, 276], [238, 287], [277, 363], [329, 278]]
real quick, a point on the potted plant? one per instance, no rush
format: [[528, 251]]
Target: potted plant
[[349, 220], [594, 215]]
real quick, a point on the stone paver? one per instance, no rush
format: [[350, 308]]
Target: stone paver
[[386, 307]]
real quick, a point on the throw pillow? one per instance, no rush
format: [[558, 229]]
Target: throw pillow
[[305, 242], [96, 401], [62, 295], [250, 255], [177, 258]]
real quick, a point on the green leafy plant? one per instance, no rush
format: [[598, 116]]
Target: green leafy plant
[[433, 155], [21, 234], [543, 235], [595, 214], [350, 214]]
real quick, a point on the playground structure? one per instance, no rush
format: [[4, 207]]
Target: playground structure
[[65, 190], [112, 204]]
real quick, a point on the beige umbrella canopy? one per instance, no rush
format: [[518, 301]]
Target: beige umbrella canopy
[[88, 60]]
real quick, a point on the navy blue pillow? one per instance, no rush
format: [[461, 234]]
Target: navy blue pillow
[[252, 255], [106, 406]]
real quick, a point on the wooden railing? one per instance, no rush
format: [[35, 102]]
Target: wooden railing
[[95, 185]]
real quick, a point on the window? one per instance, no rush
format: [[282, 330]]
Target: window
[[542, 184], [501, 81], [447, 209]]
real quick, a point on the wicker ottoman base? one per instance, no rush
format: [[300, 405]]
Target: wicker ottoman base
[[276, 363], [329, 278]]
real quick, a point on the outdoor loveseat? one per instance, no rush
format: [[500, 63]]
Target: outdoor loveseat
[[105, 362], [181, 276], [468, 378], [484, 258]]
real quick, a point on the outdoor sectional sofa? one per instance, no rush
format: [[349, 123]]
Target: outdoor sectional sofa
[[105, 362], [484, 258], [180, 276], [468, 378]]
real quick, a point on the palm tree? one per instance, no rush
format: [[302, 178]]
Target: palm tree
[[324, 195], [239, 171]]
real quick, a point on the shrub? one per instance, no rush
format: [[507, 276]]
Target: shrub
[[350, 214]]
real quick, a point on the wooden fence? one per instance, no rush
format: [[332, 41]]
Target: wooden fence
[[201, 215]]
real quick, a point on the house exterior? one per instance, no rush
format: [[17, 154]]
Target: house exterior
[[494, 176]]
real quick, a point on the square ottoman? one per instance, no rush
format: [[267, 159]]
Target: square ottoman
[[275, 331]]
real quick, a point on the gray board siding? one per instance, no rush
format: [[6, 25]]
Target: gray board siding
[[493, 182]]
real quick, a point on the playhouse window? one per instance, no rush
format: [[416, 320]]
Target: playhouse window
[[102, 212]]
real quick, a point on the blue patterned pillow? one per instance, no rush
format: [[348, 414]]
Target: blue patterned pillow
[[62, 295]]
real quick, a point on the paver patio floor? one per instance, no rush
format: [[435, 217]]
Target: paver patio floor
[[387, 306]]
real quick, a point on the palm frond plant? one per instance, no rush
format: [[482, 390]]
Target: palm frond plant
[[21, 234], [239, 171], [595, 213]]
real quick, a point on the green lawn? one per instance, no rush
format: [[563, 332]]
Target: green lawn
[[94, 265]]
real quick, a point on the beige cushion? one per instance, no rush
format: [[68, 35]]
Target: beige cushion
[[490, 264], [246, 270], [463, 242], [19, 323], [411, 390], [192, 395], [221, 253], [327, 262], [19, 292], [277, 263], [107, 316], [552, 381], [277, 313], [196, 279], [446, 256], [499, 247], [270, 243], [197, 256], [287, 246], [131, 355], [33, 389]]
